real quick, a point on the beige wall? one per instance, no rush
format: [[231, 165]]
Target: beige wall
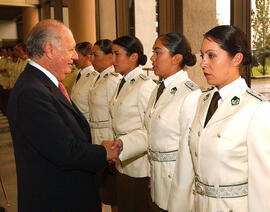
[[145, 25], [8, 30], [107, 19], [198, 17]]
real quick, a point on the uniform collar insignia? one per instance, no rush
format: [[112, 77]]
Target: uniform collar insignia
[[132, 81], [206, 97], [88, 74], [173, 90], [106, 75], [235, 100]]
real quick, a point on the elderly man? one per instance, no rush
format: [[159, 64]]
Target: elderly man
[[56, 162]]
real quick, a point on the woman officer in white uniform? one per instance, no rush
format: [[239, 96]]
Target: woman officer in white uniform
[[170, 114], [99, 118], [127, 109], [231, 148]]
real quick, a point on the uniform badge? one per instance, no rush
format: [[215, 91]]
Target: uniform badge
[[173, 90], [206, 97], [235, 100], [132, 81], [106, 75], [87, 75]]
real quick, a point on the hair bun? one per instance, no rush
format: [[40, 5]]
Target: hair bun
[[189, 59], [142, 60], [247, 59]]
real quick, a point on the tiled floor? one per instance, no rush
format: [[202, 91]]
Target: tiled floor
[[7, 167]]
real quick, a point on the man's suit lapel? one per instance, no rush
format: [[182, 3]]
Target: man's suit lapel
[[54, 90]]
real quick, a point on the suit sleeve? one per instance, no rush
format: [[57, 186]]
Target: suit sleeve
[[182, 183], [258, 141], [41, 120], [135, 142]]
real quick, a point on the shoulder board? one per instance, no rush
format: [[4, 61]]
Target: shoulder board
[[144, 77], [94, 73], [257, 95], [115, 74], [208, 89], [191, 85]]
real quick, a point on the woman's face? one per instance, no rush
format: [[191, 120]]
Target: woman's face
[[122, 63], [218, 66], [100, 60], [163, 63], [82, 61]]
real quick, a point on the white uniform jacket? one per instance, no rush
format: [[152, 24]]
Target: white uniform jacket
[[167, 123], [99, 99], [231, 155], [80, 90], [127, 111]]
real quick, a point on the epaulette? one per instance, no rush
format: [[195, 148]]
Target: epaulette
[[208, 89], [257, 95], [191, 85], [115, 74], [144, 77], [94, 73]]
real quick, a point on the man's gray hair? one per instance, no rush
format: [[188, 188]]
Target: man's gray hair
[[45, 31]]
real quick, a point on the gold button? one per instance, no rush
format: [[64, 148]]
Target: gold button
[[193, 192], [169, 176], [218, 135], [149, 116], [196, 155], [189, 129], [159, 116], [199, 133], [230, 210]]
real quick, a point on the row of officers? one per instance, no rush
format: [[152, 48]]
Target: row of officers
[[182, 150], [12, 63]]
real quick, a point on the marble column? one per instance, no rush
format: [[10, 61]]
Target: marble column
[[82, 20], [30, 17]]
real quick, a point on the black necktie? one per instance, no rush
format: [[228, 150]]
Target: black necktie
[[78, 76], [212, 107], [160, 90], [121, 85], [97, 78]]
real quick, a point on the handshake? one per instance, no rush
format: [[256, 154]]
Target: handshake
[[113, 149]]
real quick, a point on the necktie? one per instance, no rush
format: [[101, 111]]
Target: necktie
[[160, 90], [97, 78], [78, 76], [212, 107], [121, 85], [63, 90]]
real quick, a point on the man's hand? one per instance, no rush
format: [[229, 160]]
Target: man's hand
[[112, 152], [117, 144]]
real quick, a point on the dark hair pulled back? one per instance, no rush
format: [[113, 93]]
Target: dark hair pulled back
[[178, 44], [132, 45], [105, 45], [232, 40]]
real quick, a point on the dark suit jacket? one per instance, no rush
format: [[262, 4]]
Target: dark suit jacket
[[56, 162]]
